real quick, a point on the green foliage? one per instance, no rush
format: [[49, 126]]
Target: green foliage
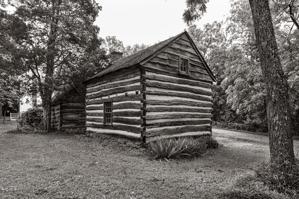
[[10, 90], [111, 44], [195, 9], [239, 96], [178, 147], [10, 84], [52, 41], [245, 127], [212, 42], [282, 182], [32, 117], [134, 48]]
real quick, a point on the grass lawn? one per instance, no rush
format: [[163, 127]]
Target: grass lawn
[[7, 125], [66, 166]]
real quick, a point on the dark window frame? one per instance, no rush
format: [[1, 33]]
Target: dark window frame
[[108, 113], [184, 70]]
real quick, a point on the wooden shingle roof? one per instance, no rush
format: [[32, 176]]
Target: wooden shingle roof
[[143, 55]]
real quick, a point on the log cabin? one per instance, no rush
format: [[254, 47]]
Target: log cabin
[[163, 91], [68, 111]]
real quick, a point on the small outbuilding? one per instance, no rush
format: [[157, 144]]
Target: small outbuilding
[[163, 91], [68, 110]]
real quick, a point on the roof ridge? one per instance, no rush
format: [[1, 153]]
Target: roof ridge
[[135, 58], [144, 55]]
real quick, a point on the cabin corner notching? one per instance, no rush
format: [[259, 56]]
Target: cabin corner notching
[[163, 91]]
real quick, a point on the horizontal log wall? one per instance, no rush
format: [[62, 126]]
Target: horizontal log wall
[[177, 105], [55, 117], [72, 115], [123, 88], [167, 61], [175, 109]]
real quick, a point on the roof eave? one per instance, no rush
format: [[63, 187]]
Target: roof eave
[[201, 57], [160, 49], [140, 63]]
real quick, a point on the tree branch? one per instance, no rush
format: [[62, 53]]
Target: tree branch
[[292, 14], [36, 68]]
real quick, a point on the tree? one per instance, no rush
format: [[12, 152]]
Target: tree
[[278, 110], [244, 84], [277, 100], [290, 8], [58, 35], [10, 91], [112, 44], [129, 50], [10, 84], [212, 42], [285, 18]]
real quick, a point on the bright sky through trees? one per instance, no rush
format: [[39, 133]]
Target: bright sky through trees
[[150, 21]]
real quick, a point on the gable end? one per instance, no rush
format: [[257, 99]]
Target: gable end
[[181, 48]]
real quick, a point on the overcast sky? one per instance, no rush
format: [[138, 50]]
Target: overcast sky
[[151, 21]]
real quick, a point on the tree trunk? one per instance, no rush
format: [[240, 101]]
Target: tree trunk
[[278, 110], [48, 89], [50, 57], [47, 109], [4, 113]]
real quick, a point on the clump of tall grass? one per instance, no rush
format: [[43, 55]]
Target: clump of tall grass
[[178, 147]]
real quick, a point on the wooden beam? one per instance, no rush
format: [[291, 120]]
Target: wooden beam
[[187, 134], [178, 94], [177, 109], [122, 98], [169, 70], [159, 123], [72, 111], [115, 76], [73, 106], [165, 66], [182, 81], [164, 115], [176, 130], [115, 132], [177, 50], [144, 104], [178, 87], [179, 103], [193, 61], [112, 91], [136, 113], [126, 105], [100, 87], [115, 127]]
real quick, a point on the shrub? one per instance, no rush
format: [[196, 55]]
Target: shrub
[[33, 117], [178, 147], [282, 182], [212, 143]]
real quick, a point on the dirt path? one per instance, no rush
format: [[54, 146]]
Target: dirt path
[[235, 138], [61, 166]]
